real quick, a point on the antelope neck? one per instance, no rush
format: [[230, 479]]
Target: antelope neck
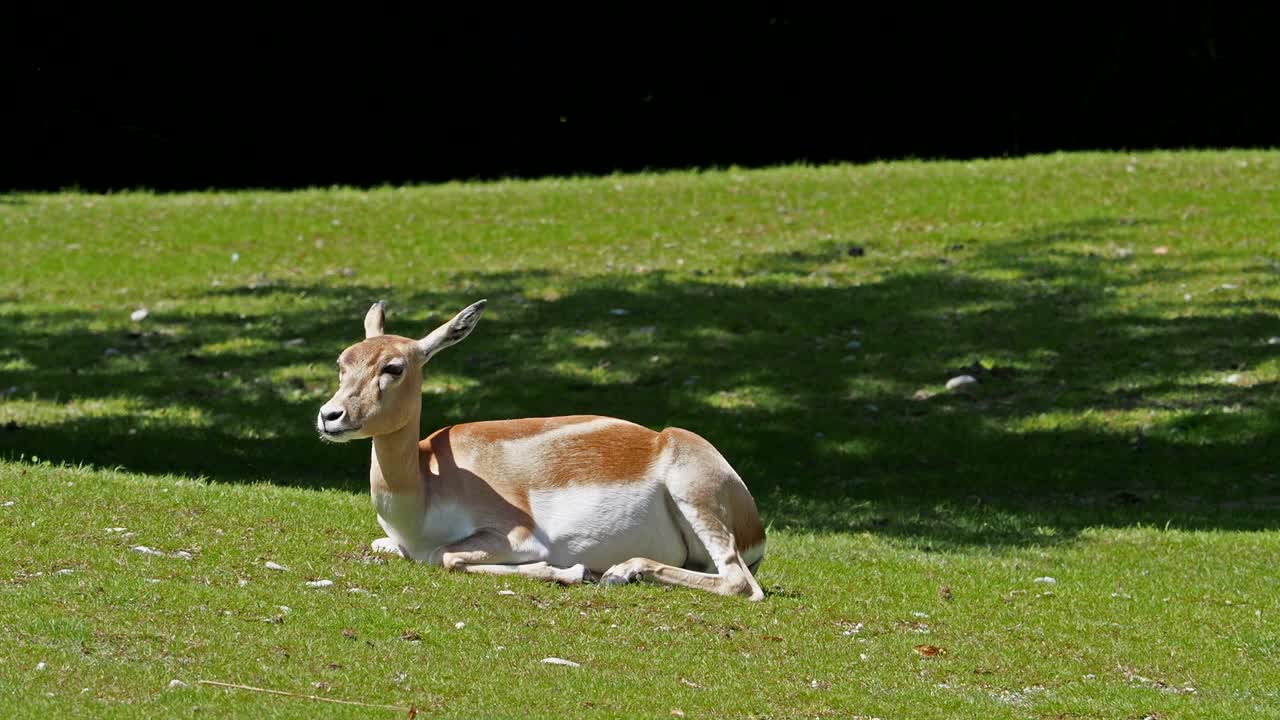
[[394, 466]]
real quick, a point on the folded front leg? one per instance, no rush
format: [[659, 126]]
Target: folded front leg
[[388, 546], [516, 553]]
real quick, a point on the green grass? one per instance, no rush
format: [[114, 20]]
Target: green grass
[[1117, 308]]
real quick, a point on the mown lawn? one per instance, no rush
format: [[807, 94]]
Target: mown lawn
[[1122, 313]]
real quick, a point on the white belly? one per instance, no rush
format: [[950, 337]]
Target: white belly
[[602, 525]]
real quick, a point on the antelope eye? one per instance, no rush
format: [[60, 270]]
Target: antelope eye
[[393, 369]]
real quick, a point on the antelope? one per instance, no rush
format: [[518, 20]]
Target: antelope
[[561, 499]]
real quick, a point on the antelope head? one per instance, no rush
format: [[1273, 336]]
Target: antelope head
[[380, 378]]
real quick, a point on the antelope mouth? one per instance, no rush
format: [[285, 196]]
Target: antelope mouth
[[336, 434]]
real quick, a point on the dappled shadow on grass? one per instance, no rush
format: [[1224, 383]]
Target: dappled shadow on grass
[[825, 395]]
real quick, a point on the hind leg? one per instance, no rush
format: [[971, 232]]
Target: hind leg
[[733, 577]]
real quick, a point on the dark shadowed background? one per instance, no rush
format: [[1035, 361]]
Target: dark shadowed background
[[232, 98]]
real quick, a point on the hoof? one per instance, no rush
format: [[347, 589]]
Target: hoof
[[621, 574], [572, 575], [387, 546]]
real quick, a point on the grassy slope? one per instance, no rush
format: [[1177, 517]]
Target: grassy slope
[[1106, 449]]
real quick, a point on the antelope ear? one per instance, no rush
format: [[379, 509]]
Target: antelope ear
[[375, 319], [452, 332]]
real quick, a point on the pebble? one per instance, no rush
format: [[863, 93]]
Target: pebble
[[559, 661], [41, 665], [319, 583], [274, 566], [1045, 580], [175, 684], [962, 383], [139, 315], [8, 503], [459, 625], [146, 550], [506, 592]]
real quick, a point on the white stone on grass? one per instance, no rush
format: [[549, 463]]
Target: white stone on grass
[[319, 583], [962, 383], [274, 566], [146, 550], [559, 661]]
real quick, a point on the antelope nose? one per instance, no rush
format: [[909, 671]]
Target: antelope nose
[[332, 415]]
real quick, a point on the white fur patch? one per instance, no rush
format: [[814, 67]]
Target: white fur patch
[[602, 525], [422, 533], [522, 449]]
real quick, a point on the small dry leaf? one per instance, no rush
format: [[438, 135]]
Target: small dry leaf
[[1162, 250], [690, 683], [677, 712], [411, 635], [413, 712], [348, 633], [945, 592], [774, 638], [929, 650]]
